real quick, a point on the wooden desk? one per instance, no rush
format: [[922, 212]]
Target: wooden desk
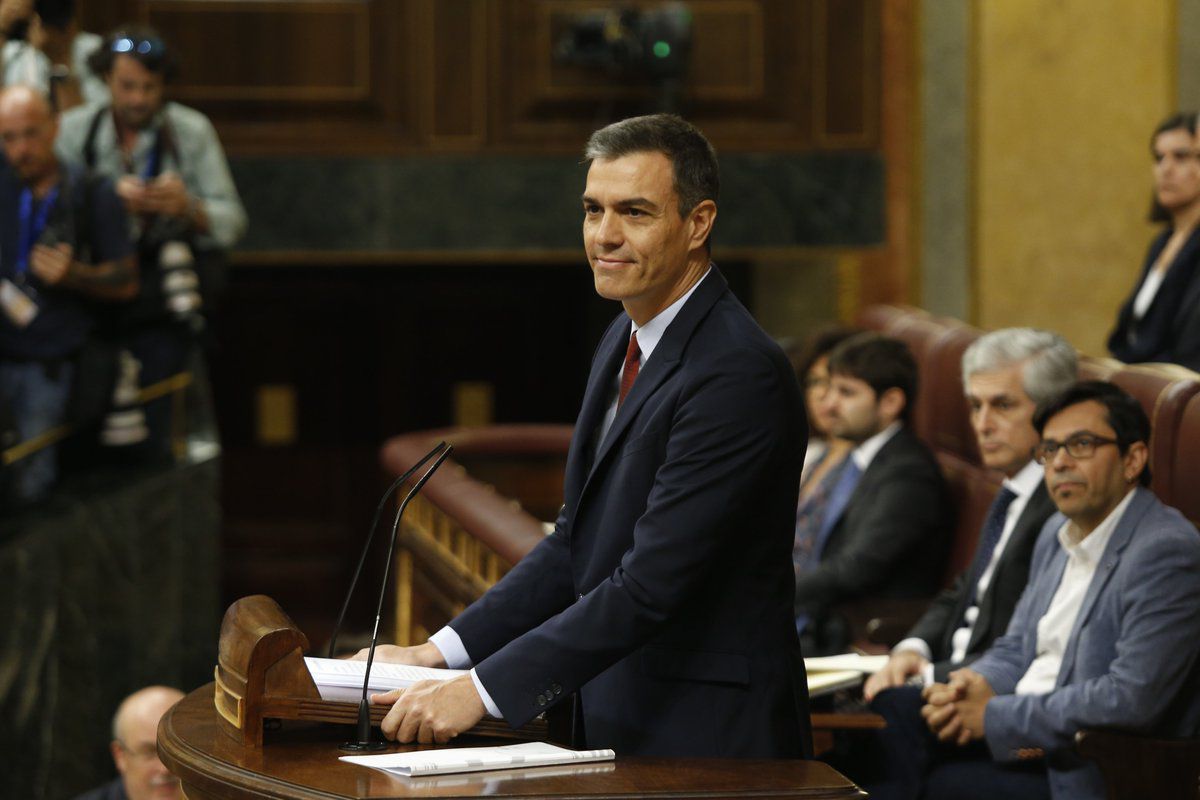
[[300, 763]]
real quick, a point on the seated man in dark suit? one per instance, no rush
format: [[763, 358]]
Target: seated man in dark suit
[[1005, 375], [879, 524], [1105, 634]]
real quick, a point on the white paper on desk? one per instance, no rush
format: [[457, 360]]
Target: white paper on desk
[[477, 759], [868, 665], [339, 679]]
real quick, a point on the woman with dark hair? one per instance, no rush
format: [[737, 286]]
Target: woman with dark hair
[[1160, 320]]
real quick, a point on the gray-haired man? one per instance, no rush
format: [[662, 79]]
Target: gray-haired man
[[1006, 374]]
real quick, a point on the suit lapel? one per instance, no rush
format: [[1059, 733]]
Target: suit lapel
[[663, 362], [1029, 524], [1138, 506], [596, 397]]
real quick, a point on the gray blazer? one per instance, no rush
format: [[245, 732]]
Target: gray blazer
[[1130, 662]]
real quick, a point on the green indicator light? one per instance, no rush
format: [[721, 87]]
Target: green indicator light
[[662, 49]]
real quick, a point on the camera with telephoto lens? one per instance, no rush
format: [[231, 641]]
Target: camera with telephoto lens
[[180, 283]]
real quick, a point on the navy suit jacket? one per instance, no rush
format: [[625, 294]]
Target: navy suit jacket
[[664, 595], [890, 541], [1130, 661]]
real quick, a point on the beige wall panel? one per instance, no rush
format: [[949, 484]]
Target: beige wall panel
[[1067, 92]]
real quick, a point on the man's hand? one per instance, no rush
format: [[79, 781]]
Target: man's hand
[[167, 195], [132, 191], [51, 264], [422, 655], [431, 711], [899, 668], [954, 711]]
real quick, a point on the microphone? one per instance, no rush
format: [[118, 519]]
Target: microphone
[[364, 707], [370, 535]]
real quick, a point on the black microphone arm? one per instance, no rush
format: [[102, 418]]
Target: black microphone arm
[[364, 707], [362, 559]]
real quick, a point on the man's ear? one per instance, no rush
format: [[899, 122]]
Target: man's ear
[[701, 219], [891, 403], [120, 758], [1135, 461]]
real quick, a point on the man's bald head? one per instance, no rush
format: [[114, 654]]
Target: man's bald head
[[149, 703], [27, 131], [24, 100], [134, 749]]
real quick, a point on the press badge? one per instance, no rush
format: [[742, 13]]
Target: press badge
[[18, 306]]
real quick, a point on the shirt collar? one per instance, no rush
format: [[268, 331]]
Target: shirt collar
[[1091, 547], [1026, 481], [865, 453], [652, 332]]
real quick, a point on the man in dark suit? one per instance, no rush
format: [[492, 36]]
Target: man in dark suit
[[1006, 374], [662, 599], [880, 524]]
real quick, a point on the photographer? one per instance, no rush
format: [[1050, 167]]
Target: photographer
[[44, 48], [61, 245], [170, 171]]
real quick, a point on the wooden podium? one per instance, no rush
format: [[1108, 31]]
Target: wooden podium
[[300, 762]]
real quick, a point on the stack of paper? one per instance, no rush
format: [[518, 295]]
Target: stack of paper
[[478, 759], [868, 665], [338, 679]]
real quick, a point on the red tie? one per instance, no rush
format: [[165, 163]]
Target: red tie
[[629, 374]]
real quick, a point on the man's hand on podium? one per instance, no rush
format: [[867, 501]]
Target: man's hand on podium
[[431, 711], [421, 655]]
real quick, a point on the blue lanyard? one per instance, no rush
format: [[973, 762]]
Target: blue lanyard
[[152, 160], [32, 226]]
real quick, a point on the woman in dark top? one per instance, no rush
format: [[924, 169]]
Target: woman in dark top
[[1160, 320]]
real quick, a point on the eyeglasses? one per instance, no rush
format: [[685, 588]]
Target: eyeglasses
[[1081, 445], [145, 47], [142, 753]]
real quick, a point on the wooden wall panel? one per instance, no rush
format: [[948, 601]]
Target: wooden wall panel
[[405, 76]]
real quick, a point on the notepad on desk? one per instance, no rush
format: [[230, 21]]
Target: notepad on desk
[[867, 665], [339, 679], [477, 759]]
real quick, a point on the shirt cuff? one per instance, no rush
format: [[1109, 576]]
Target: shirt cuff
[[914, 645], [450, 645], [488, 702]]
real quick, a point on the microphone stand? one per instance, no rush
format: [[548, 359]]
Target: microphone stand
[[370, 535], [364, 742]]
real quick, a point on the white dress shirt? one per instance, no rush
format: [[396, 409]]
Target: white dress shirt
[[865, 453], [1055, 626], [1023, 485], [447, 639]]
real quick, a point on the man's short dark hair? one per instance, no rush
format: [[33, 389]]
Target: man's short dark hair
[[693, 159], [57, 14], [879, 361], [1179, 121], [803, 354], [140, 42], [1123, 414]]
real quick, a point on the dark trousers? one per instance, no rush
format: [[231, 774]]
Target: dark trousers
[[905, 761]]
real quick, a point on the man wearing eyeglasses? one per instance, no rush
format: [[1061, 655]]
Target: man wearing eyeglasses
[[135, 749], [170, 171], [1104, 635]]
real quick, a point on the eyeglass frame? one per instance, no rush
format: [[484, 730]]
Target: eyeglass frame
[[1042, 457]]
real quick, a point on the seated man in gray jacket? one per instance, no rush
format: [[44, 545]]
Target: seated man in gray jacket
[[1105, 634]]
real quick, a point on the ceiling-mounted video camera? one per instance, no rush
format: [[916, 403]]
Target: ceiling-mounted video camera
[[651, 44]]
